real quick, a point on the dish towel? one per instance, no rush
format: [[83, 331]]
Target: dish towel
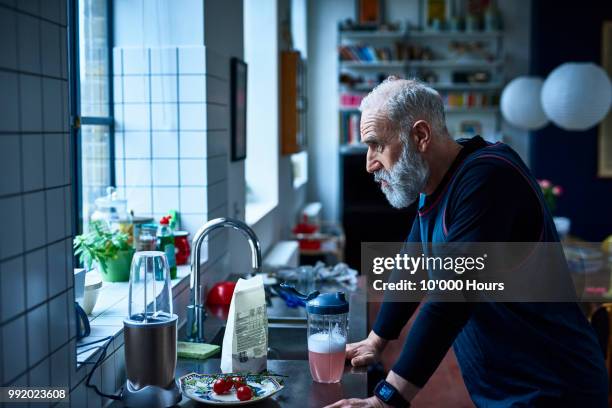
[[200, 351]]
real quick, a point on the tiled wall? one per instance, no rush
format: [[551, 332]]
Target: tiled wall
[[37, 330], [166, 107], [172, 134]]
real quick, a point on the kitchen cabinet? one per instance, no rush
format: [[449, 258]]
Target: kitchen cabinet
[[292, 103]]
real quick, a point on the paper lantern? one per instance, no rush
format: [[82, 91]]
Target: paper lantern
[[521, 103], [577, 96]]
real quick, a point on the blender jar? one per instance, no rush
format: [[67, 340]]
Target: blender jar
[[150, 334], [327, 334]]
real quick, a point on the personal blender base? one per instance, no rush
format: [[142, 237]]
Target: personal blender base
[[150, 396]]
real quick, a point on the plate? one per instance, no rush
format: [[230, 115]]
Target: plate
[[199, 387]]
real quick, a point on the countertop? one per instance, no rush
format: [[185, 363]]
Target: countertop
[[300, 390]]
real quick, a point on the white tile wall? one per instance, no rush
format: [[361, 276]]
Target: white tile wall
[[165, 172], [29, 43], [38, 321], [165, 144], [14, 347], [36, 271], [34, 207], [10, 158], [12, 281], [30, 102], [175, 136], [8, 49], [9, 120], [137, 145], [32, 158], [35, 151], [164, 88]]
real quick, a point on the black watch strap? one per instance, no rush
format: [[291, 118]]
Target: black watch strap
[[390, 395]]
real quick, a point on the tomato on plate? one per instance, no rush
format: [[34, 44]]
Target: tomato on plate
[[238, 381], [244, 393], [221, 386]]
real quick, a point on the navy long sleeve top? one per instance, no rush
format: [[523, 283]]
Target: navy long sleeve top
[[528, 354]]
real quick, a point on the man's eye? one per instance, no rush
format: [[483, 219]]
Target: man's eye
[[379, 148]]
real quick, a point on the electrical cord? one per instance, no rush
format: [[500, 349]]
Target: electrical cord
[[95, 367]]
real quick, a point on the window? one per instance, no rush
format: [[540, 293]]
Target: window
[[94, 103], [261, 56]]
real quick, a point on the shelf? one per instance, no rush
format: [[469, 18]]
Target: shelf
[[454, 35], [447, 109], [416, 64], [442, 87], [373, 64], [466, 109], [367, 35]]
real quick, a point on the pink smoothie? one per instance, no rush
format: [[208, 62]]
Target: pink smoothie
[[326, 357]]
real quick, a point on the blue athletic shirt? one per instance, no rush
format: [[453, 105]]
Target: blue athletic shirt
[[510, 354]]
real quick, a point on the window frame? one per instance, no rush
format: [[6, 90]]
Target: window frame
[[76, 120]]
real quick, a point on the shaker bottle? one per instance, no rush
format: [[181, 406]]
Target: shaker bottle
[[327, 333]]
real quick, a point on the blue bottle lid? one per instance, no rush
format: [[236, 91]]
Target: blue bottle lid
[[328, 303]]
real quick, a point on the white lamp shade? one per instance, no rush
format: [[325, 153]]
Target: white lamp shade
[[577, 96], [521, 103]]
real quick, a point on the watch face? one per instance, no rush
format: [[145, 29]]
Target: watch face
[[385, 392]]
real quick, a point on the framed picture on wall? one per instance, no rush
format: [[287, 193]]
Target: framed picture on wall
[[605, 127], [238, 108], [369, 12]]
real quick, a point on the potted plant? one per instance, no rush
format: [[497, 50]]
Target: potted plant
[[551, 193], [110, 250]]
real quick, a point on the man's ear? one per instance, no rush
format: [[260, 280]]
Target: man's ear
[[421, 133]]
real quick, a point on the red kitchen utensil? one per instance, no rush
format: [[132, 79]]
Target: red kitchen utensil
[[221, 293]]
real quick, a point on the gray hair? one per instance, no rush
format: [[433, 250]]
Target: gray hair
[[406, 101]]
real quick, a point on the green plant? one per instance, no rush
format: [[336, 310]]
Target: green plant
[[100, 244]]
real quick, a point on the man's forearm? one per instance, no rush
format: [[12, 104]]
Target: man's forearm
[[406, 388]]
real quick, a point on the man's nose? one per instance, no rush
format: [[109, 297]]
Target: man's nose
[[372, 165]]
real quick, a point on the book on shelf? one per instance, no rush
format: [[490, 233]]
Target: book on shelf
[[349, 127], [364, 53]]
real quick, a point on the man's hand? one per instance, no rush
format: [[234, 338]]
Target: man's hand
[[366, 351], [371, 402]]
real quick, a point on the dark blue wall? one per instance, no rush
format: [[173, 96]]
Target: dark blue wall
[[564, 31]]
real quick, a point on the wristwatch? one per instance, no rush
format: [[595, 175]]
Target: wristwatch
[[390, 395]]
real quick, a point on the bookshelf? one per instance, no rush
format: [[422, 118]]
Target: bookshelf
[[465, 67]]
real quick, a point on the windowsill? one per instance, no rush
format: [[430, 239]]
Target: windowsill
[[255, 211], [111, 308]]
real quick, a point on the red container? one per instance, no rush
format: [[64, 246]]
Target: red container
[[221, 293], [181, 247]]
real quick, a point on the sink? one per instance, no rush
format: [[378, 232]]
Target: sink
[[285, 342]]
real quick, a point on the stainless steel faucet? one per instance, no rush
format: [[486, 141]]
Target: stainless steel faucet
[[196, 310]]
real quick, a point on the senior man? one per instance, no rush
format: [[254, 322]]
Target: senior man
[[510, 354]]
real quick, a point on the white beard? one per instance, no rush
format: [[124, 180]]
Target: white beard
[[406, 179]]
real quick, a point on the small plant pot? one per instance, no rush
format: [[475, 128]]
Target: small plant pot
[[118, 269]]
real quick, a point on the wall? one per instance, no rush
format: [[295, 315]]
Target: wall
[[276, 224], [562, 32], [323, 17], [172, 87], [37, 331]]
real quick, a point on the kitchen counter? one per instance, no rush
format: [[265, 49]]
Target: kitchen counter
[[300, 390]]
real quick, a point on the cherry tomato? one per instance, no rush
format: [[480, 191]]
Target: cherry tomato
[[237, 381], [244, 393], [221, 386]]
